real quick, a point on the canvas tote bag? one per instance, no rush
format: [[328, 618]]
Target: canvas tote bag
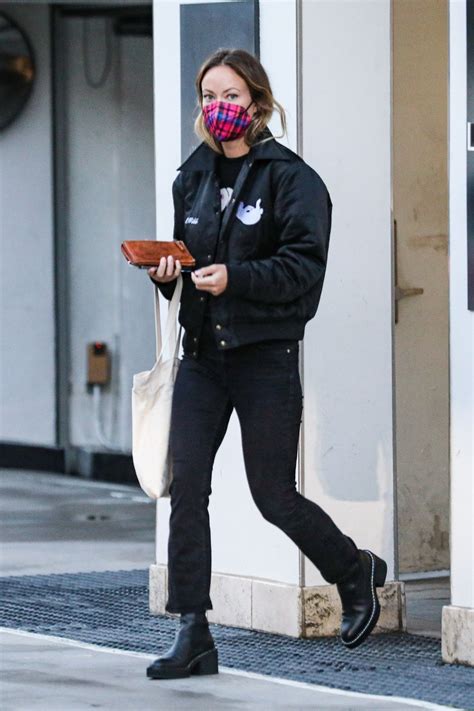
[[152, 394]]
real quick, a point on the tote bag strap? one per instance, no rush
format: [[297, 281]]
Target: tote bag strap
[[171, 321]]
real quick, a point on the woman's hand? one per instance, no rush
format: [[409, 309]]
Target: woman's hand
[[212, 278], [167, 270]]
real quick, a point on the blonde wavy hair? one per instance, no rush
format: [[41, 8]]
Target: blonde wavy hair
[[252, 72]]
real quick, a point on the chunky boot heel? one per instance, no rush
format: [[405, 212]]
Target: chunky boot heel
[[380, 574], [193, 651], [206, 664]]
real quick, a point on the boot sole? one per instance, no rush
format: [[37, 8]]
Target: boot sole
[[378, 574], [204, 663]]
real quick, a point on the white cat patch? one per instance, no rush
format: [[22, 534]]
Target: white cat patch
[[248, 214], [226, 194]]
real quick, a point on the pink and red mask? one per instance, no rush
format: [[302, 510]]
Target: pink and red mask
[[226, 121]]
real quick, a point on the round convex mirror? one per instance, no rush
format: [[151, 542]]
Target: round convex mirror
[[17, 70]]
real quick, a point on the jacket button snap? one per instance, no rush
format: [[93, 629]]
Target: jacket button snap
[[202, 298], [194, 353], [195, 339], [218, 326], [209, 256], [223, 343]]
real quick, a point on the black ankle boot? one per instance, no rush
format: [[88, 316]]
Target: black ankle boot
[[193, 651], [360, 604]]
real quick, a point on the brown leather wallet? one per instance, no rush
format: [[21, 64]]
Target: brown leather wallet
[[146, 253]]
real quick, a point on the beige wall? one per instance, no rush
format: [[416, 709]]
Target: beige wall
[[420, 204]]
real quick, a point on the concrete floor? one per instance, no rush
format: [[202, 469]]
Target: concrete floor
[[50, 524], [425, 600], [54, 675], [57, 524]]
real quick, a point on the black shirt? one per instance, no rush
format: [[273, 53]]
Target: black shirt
[[227, 172]]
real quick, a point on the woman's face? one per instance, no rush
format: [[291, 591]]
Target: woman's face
[[223, 84]]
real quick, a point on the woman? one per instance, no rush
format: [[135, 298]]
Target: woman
[[257, 219]]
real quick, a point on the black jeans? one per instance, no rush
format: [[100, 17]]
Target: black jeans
[[262, 382]]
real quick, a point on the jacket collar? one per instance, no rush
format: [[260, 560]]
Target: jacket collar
[[204, 157]]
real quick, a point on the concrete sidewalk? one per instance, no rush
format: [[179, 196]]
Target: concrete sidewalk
[[50, 674], [52, 523], [57, 524]]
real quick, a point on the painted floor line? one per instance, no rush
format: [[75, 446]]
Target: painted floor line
[[341, 692], [235, 672]]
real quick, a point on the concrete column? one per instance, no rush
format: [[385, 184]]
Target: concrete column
[[348, 380], [340, 53]]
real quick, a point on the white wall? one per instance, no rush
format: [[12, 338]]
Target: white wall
[[243, 543], [461, 328], [348, 428], [110, 173], [110, 196], [27, 365]]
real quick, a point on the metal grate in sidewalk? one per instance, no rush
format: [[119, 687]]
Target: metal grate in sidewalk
[[111, 609]]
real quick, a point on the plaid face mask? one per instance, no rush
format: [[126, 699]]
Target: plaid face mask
[[226, 121]]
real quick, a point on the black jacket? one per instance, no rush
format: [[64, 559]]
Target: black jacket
[[274, 240]]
